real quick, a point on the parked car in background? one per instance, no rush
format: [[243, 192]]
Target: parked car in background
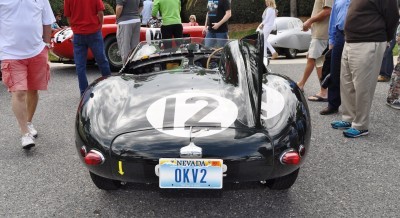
[[63, 46], [288, 37]]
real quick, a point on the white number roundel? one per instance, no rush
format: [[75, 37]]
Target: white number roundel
[[173, 113], [272, 103]]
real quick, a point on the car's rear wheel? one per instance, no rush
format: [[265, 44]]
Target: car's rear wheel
[[112, 53], [283, 182], [104, 183], [290, 53]]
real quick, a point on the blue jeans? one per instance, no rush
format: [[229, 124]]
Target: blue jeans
[[212, 43], [387, 62], [95, 43], [334, 100]]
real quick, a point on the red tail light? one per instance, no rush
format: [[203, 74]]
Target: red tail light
[[94, 158], [290, 157]]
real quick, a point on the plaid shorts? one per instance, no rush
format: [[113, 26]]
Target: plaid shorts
[[27, 74]]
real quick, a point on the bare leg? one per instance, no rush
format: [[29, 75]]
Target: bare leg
[[31, 103], [19, 108], [307, 72]]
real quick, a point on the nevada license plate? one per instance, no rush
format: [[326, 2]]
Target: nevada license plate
[[190, 173]]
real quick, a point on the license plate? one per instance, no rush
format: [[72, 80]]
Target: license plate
[[190, 173]]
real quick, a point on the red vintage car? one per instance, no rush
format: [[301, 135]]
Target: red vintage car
[[63, 46]]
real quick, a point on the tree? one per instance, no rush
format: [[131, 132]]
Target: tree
[[112, 3], [189, 3], [293, 8]]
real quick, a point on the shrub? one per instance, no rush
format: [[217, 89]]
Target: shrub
[[58, 6], [113, 3], [109, 9], [246, 11], [243, 11]]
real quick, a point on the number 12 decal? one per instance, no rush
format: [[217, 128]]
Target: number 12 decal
[[194, 121], [175, 114]]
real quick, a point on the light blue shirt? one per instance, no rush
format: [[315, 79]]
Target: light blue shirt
[[337, 19]]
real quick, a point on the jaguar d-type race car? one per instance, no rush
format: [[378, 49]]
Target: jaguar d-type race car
[[63, 45], [194, 113]]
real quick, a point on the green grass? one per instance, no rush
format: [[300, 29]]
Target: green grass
[[240, 34], [52, 57], [396, 50]]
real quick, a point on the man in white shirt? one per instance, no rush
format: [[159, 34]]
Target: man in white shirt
[[146, 12], [23, 54]]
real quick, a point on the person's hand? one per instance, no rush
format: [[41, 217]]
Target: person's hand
[[260, 26], [216, 26], [307, 25], [330, 46], [205, 30]]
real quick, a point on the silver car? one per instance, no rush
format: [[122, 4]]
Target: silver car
[[288, 37]]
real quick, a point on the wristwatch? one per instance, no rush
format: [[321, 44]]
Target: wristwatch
[[48, 45]]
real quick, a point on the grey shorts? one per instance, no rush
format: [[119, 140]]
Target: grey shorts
[[128, 37], [317, 46]]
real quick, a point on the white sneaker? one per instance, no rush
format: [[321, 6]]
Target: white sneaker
[[32, 130], [27, 141]]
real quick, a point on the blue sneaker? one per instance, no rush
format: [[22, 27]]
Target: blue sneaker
[[339, 124], [354, 133]]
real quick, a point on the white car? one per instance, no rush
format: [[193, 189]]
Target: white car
[[288, 37]]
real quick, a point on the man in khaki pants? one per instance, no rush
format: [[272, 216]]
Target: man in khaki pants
[[369, 26]]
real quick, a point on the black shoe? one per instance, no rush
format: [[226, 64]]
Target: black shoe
[[328, 110]]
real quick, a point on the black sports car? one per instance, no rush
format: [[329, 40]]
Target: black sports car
[[187, 115]]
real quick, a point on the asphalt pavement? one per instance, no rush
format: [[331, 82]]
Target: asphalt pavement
[[341, 178]]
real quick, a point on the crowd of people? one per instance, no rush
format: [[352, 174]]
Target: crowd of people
[[360, 34], [24, 57]]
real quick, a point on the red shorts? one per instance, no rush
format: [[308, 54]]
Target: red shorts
[[27, 74]]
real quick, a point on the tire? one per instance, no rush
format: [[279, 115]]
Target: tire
[[284, 182], [104, 183], [112, 53], [290, 53]]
